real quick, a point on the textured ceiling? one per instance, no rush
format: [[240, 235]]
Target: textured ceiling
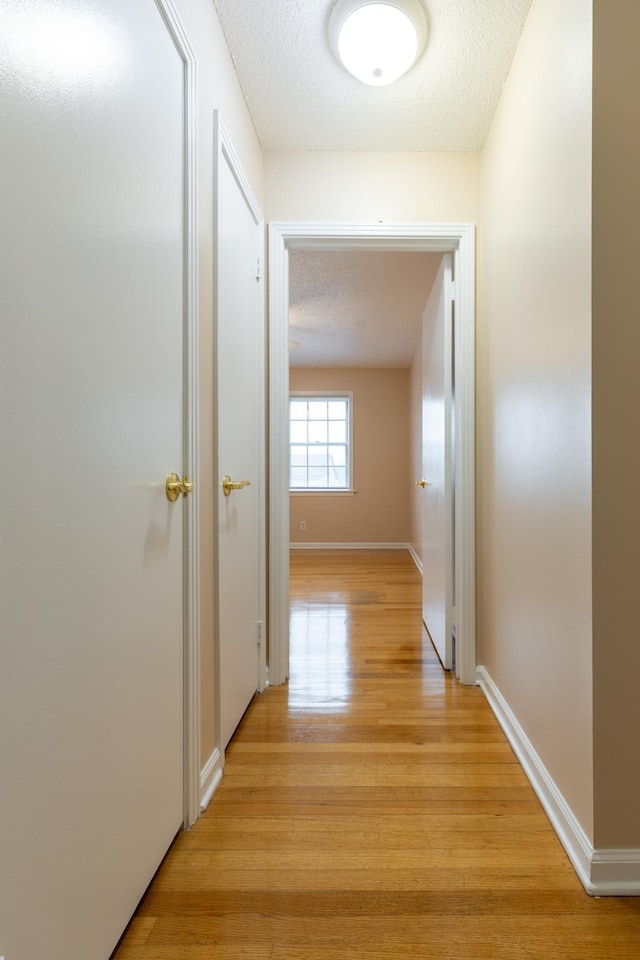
[[357, 308], [301, 98]]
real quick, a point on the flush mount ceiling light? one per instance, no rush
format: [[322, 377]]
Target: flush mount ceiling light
[[377, 40]]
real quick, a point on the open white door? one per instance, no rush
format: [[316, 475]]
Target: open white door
[[93, 413], [437, 465], [240, 438]]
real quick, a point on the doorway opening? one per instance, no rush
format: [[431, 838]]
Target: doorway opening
[[456, 240]]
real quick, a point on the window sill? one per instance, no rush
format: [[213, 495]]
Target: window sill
[[322, 493]]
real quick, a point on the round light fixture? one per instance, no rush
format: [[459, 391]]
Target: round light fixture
[[377, 40]]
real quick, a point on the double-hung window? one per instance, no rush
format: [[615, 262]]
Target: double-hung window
[[320, 442]]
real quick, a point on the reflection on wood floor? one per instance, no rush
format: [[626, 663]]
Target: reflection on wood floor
[[372, 809]]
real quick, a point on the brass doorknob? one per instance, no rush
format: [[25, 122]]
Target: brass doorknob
[[228, 484], [422, 483], [175, 486]]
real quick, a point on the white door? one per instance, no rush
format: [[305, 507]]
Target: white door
[[240, 456], [437, 473], [91, 422]]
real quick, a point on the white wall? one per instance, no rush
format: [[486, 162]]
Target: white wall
[[533, 394], [372, 187]]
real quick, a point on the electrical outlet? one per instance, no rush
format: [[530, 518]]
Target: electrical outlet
[[303, 526]]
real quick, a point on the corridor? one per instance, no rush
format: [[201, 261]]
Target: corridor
[[372, 809]]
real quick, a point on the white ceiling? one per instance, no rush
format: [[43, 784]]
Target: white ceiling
[[363, 308], [357, 308], [301, 98]]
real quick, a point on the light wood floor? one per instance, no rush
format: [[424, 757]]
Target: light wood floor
[[372, 809]]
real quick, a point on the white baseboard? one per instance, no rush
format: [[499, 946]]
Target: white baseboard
[[414, 556], [601, 872], [615, 873], [350, 546], [361, 546], [210, 778], [571, 834]]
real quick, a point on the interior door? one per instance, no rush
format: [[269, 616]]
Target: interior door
[[240, 450], [437, 473], [91, 380]]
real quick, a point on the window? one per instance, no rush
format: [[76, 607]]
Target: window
[[320, 442]]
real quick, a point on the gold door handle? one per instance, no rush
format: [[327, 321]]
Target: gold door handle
[[422, 483], [175, 486], [228, 484]]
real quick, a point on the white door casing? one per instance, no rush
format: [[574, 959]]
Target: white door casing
[[99, 570], [240, 363], [459, 241], [437, 473]]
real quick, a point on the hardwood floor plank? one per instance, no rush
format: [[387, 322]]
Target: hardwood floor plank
[[372, 809], [376, 930], [398, 903], [552, 875]]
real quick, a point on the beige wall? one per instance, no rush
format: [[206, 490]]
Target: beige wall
[[533, 395], [218, 88], [379, 511], [372, 187], [616, 423]]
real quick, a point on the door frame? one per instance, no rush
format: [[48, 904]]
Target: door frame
[[448, 299], [223, 152], [191, 511], [457, 239]]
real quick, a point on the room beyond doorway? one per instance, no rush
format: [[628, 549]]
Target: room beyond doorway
[[457, 239]]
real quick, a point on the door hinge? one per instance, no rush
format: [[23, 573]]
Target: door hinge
[[259, 626], [258, 269], [452, 290]]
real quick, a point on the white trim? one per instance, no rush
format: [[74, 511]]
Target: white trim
[[349, 546], [441, 238], [414, 556], [278, 457], [615, 873], [210, 778], [601, 872], [312, 492], [464, 458], [191, 730], [449, 299]]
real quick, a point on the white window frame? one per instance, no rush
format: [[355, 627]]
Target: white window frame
[[327, 491]]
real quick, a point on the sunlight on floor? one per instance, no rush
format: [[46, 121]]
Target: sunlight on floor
[[320, 679]]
